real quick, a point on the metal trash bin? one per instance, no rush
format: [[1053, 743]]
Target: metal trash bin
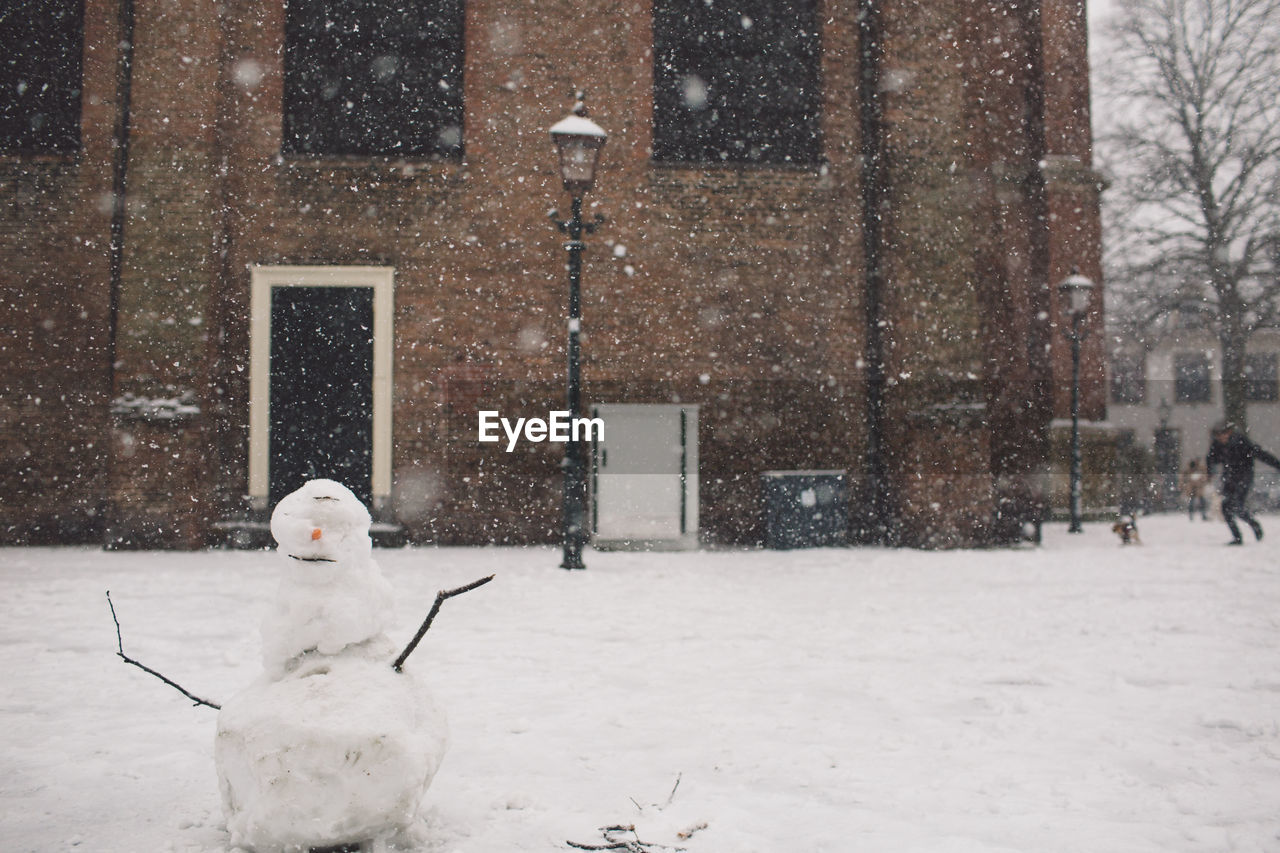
[[805, 509]]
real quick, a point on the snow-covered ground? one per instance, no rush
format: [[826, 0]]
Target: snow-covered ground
[[1076, 697]]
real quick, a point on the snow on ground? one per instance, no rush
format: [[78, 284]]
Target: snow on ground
[[1078, 696]]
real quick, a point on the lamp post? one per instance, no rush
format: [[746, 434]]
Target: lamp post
[[1168, 450], [578, 140], [1075, 291]]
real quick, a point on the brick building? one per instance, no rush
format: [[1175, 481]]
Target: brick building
[[829, 235]]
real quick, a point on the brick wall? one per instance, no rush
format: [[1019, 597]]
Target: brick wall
[[736, 288], [54, 343]]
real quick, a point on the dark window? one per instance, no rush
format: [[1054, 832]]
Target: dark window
[[1191, 379], [736, 81], [373, 77], [40, 76], [1129, 379], [1260, 378]]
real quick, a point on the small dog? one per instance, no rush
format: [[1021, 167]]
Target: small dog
[[1127, 529]]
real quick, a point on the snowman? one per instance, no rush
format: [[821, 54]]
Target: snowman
[[330, 747]]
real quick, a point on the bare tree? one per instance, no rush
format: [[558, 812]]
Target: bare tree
[[1189, 130]]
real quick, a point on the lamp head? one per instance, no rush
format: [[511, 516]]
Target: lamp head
[[1076, 291], [578, 140]]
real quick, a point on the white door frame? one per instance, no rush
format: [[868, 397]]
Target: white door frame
[[263, 279]]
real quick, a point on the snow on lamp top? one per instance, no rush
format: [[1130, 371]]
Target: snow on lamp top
[[1076, 291], [579, 140], [578, 125]]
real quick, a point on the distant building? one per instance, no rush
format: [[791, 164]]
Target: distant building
[[1168, 394], [249, 242]]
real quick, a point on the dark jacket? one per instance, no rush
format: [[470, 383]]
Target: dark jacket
[[1236, 456]]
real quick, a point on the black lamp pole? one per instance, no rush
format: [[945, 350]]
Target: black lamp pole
[[578, 141], [575, 480], [1077, 474], [1075, 291]]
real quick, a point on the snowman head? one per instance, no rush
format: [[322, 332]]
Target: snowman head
[[321, 522]]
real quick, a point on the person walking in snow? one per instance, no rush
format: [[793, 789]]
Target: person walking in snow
[[1233, 450], [1194, 483]]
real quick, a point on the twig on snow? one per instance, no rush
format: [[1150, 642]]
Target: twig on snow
[[609, 831], [674, 788], [120, 652], [613, 842], [670, 797], [426, 623], [635, 845]]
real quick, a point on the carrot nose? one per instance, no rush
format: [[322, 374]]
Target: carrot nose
[[315, 534]]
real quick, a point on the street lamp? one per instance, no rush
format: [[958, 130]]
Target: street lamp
[[1075, 291], [1167, 461], [578, 140]]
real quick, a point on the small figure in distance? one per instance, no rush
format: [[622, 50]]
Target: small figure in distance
[[1195, 482], [1127, 529]]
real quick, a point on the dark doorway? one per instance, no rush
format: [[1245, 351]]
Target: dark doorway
[[321, 403]]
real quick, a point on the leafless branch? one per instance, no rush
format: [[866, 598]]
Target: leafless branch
[[426, 623], [120, 652], [1194, 149]]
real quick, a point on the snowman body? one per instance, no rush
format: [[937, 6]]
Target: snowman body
[[330, 746]]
